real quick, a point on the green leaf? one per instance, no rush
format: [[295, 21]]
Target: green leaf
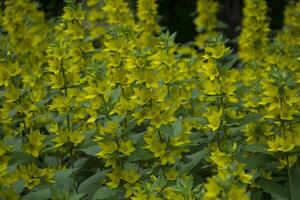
[[160, 181], [166, 131], [140, 154], [19, 186], [222, 25], [77, 196], [248, 118], [92, 180], [230, 63], [184, 186], [80, 162], [40, 195], [105, 193], [15, 143], [255, 160], [61, 174], [195, 159], [91, 150], [177, 127], [19, 157], [62, 177], [274, 189], [256, 148], [296, 183], [116, 94]]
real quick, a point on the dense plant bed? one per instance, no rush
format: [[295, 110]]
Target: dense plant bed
[[102, 103]]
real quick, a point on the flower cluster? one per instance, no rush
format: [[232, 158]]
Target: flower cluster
[[102, 103]]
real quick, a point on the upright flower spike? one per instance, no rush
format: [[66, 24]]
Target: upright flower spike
[[253, 51], [23, 42], [219, 84], [147, 14], [231, 179], [95, 19], [284, 50], [24, 60], [253, 39], [147, 24], [68, 58], [291, 19], [118, 12], [206, 21]]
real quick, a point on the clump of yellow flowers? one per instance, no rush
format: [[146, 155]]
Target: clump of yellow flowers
[[102, 103]]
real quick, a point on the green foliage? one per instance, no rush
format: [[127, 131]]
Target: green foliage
[[104, 104]]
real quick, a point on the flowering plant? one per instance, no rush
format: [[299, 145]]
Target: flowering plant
[[104, 104]]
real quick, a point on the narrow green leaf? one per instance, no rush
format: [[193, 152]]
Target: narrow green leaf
[[91, 150], [256, 148], [248, 118], [19, 186], [40, 195], [195, 159], [19, 157], [274, 189], [140, 154], [256, 160], [230, 63], [62, 177], [177, 127], [296, 183], [92, 180], [77, 196], [105, 193], [116, 94]]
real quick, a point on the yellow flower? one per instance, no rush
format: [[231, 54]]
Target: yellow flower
[[115, 177], [212, 87], [236, 192], [214, 117], [131, 188], [3, 164], [244, 177], [212, 190], [35, 143], [216, 52], [290, 161], [107, 147], [76, 137], [170, 194], [210, 69], [30, 174], [126, 147], [171, 174], [4, 76], [13, 69], [206, 21], [60, 139], [281, 144], [130, 176], [12, 93], [170, 157], [220, 158], [111, 128]]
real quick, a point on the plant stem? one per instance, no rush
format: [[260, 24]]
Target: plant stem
[[66, 94], [192, 108], [2, 5], [105, 107], [289, 177], [286, 156], [25, 127]]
